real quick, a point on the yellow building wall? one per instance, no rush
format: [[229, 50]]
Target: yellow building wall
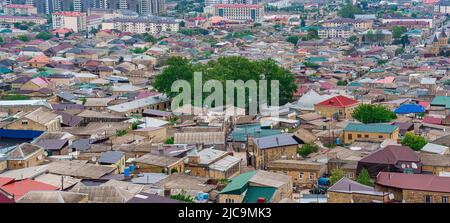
[[370, 136]]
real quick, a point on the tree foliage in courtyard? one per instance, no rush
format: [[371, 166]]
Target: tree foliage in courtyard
[[364, 178], [415, 142], [227, 68], [336, 175], [368, 113], [307, 149]]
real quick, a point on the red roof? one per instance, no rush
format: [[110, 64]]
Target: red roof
[[424, 104], [432, 120], [338, 101], [20, 188], [423, 182], [19, 6], [392, 154], [5, 180]]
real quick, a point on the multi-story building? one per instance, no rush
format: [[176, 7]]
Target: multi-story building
[[356, 23], [142, 24], [239, 12], [20, 19], [428, 20], [15, 9], [442, 7], [71, 20], [335, 32], [151, 7]]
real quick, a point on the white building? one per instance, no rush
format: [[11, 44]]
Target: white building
[[71, 20], [335, 32], [142, 24], [151, 7], [442, 7], [15, 9], [239, 12]]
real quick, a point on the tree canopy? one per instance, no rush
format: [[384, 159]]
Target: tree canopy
[[44, 35], [368, 113], [364, 178], [336, 175], [415, 142], [307, 149], [293, 39], [227, 68], [398, 31], [348, 11]]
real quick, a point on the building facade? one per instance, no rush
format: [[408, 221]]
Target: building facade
[[239, 12], [142, 25], [70, 20]]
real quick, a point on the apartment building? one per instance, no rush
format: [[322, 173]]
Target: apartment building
[[142, 24], [15, 9], [355, 23], [239, 12], [335, 32], [71, 20]]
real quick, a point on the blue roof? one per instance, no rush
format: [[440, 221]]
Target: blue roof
[[253, 131], [378, 128], [409, 108]]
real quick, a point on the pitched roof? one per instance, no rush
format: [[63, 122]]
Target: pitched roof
[[23, 151], [41, 115], [378, 128], [346, 185], [237, 184], [53, 197], [423, 182], [409, 108], [441, 101], [338, 101], [111, 157], [274, 141], [163, 161], [391, 155], [52, 144], [20, 188], [152, 198]]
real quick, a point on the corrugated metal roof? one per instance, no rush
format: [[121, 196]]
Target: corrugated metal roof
[[378, 128]]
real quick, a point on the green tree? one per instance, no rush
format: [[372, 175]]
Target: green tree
[[364, 178], [311, 65], [170, 140], [302, 23], [23, 38], [134, 125], [398, 31], [2, 40], [352, 39], [348, 11], [183, 196], [44, 35], [336, 175], [368, 113], [173, 170], [399, 51], [341, 83], [150, 39], [15, 97], [415, 142], [227, 68], [307, 149], [83, 100], [121, 132], [139, 50], [293, 39]]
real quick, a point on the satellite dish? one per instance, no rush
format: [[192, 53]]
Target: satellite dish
[[403, 165], [414, 165], [355, 148], [391, 196], [94, 159]]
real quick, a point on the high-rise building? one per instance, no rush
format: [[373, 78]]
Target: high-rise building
[[239, 12], [151, 7]]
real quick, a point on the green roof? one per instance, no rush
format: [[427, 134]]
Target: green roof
[[441, 101], [316, 59], [5, 70], [355, 84], [253, 131], [253, 193], [238, 184], [46, 73], [377, 128]]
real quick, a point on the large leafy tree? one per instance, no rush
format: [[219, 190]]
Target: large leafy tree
[[336, 175], [307, 149], [348, 11], [227, 68], [293, 39], [364, 178], [367, 113], [44, 35], [415, 142], [398, 31]]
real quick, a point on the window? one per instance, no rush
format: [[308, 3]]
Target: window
[[444, 199], [24, 122], [359, 135], [428, 199], [380, 137], [311, 176], [229, 200], [302, 175], [366, 136], [350, 136]]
